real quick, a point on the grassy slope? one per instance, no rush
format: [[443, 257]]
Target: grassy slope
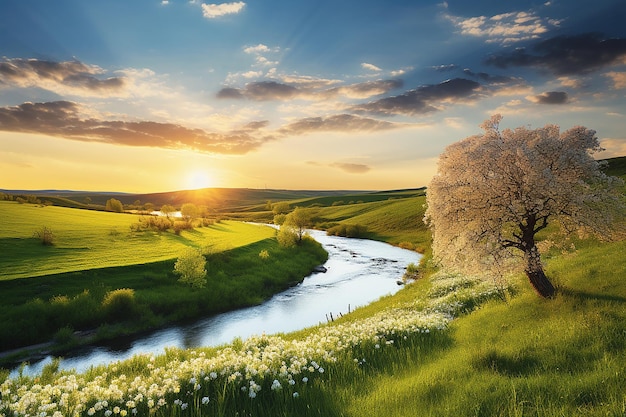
[[90, 239], [528, 357]]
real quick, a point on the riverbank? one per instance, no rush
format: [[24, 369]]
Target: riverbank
[[236, 279]]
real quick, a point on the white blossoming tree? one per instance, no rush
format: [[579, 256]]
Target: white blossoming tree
[[494, 192]]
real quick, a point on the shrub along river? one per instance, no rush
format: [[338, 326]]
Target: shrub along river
[[358, 272]]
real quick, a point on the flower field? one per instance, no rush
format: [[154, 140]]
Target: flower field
[[263, 375]]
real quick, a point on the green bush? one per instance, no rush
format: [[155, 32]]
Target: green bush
[[191, 266], [347, 230], [119, 304]]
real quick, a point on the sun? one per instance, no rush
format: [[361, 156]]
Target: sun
[[198, 179]]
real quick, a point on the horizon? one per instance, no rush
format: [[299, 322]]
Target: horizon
[[155, 95]]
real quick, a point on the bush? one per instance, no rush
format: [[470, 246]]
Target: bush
[[45, 235], [287, 237], [181, 225], [191, 266], [119, 304], [114, 205], [347, 230]]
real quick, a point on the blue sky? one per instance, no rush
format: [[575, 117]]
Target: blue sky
[[150, 95]]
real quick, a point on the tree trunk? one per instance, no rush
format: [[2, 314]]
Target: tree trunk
[[534, 272]]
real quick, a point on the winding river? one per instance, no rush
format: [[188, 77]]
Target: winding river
[[358, 272]]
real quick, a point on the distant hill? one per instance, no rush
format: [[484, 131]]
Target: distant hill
[[228, 200]]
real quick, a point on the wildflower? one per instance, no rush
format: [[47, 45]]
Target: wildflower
[[305, 379], [108, 413], [91, 411], [276, 385], [296, 395], [205, 400]]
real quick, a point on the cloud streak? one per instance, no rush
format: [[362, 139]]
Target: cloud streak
[[213, 11], [566, 55], [422, 100], [273, 90], [70, 77], [504, 28], [550, 97], [63, 119], [337, 123]]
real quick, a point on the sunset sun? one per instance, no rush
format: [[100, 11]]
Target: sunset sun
[[198, 179]]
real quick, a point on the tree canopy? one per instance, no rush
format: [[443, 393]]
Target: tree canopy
[[494, 192]]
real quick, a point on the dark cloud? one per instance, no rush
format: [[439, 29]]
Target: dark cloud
[[260, 91], [62, 119], [491, 79], [57, 75], [351, 168], [336, 123], [229, 92], [551, 97], [273, 90], [566, 55], [423, 99]]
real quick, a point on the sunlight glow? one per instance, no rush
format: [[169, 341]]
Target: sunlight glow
[[198, 179]]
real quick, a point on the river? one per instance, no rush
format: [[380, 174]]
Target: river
[[358, 272]]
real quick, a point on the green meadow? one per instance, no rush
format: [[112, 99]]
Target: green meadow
[[86, 239], [53, 291]]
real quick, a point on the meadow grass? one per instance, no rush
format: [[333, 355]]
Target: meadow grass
[[48, 291], [86, 239], [444, 346]]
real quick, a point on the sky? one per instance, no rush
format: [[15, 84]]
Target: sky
[[160, 95]]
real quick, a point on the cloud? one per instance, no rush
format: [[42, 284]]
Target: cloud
[[63, 119], [336, 123], [618, 78], [491, 79], [504, 28], [550, 97], [69, 77], [366, 89], [351, 168], [445, 68], [308, 89], [421, 100], [566, 55], [370, 67], [212, 11]]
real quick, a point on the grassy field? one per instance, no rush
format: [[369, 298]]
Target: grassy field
[[446, 346], [50, 291], [88, 239]]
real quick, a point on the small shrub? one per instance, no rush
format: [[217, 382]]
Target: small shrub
[[191, 266], [65, 336], [119, 304], [181, 225], [287, 237], [406, 245], [264, 254], [45, 235]]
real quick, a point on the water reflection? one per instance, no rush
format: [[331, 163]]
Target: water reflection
[[358, 272]]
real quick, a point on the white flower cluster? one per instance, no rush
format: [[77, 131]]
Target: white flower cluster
[[259, 363]]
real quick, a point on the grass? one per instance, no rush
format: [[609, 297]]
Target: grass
[[524, 357], [87, 239], [49, 290]]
